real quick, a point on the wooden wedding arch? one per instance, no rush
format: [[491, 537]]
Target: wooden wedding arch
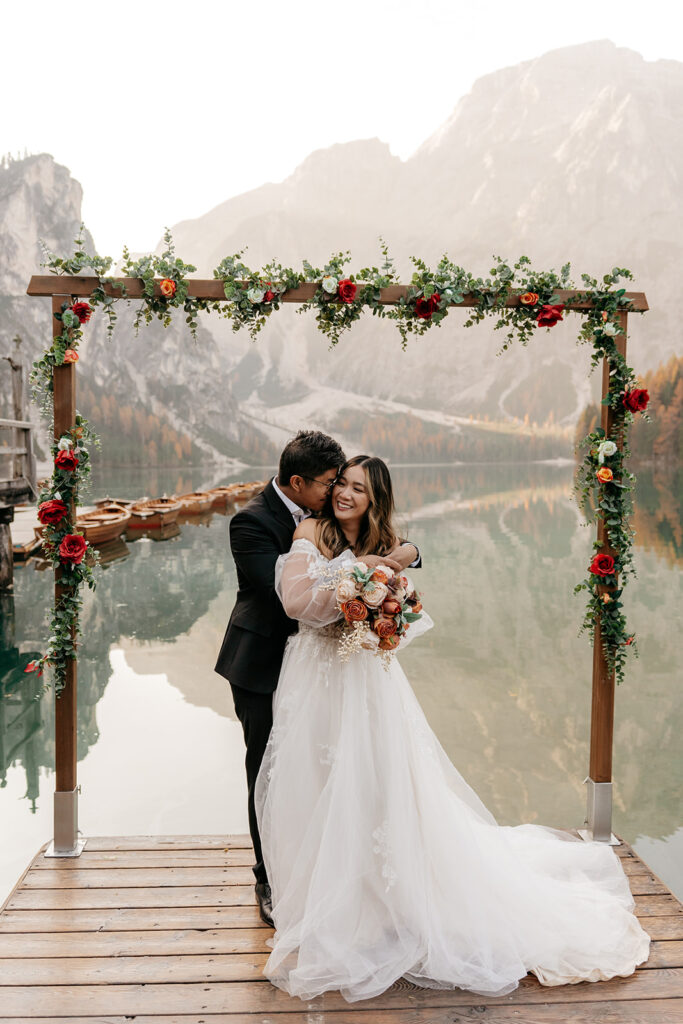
[[60, 288]]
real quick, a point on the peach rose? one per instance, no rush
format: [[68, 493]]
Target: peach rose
[[167, 287], [71, 356], [379, 576], [346, 590], [375, 594], [529, 299], [604, 474]]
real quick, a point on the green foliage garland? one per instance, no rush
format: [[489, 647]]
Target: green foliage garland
[[340, 300]]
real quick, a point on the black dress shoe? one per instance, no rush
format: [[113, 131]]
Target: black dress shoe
[[265, 902]]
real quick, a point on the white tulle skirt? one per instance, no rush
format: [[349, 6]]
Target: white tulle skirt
[[384, 863]]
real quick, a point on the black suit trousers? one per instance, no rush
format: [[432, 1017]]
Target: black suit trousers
[[255, 712]]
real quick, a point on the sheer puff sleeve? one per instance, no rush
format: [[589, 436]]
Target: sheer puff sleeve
[[301, 580]]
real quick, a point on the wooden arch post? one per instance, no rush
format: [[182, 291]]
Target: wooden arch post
[[599, 779]]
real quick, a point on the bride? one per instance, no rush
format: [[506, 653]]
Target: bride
[[383, 862]]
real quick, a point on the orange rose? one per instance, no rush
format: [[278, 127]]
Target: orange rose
[[388, 643], [391, 607], [355, 611], [416, 608], [71, 356], [167, 287], [384, 627], [529, 299], [604, 314], [630, 639], [379, 576], [606, 599], [604, 474]]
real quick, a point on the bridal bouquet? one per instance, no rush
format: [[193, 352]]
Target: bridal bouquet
[[378, 606]]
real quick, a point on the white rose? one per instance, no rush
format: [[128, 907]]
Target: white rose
[[610, 329], [346, 590], [330, 284], [605, 449], [58, 495], [64, 443], [255, 295], [361, 566], [375, 594]]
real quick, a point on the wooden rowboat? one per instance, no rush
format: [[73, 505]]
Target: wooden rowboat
[[153, 513], [195, 502], [105, 524], [102, 524]]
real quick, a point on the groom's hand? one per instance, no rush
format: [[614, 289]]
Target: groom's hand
[[374, 560], [403, 555]]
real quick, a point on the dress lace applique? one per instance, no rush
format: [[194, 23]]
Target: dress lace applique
[[382, 848]]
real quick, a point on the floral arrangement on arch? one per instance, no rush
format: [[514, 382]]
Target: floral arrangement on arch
[[521, 300]]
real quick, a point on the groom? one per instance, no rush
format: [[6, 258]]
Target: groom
[[251, 655]]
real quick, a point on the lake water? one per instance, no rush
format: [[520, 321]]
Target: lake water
[[503, 677]]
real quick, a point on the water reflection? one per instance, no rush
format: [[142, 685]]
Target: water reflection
[[504, 679]]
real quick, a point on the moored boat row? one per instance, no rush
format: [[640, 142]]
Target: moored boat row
[[112, 516]]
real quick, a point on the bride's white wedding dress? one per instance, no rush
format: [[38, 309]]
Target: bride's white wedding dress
[[383, 861]]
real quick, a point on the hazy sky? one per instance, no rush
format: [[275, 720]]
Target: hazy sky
[[162, 110]]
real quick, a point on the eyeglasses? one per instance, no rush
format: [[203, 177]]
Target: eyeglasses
[[328, 485]]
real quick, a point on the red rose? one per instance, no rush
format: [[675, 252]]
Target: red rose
[[83, 311], [630, 639], [269, 296], [602, 565], [347, 290], [51, 512], [355, 610], [388, 643], [391, 607], [167, 287], [549, 315], [384, 627], [66, 460], [73, 548], [636, 400], [33, 666], [425, 307]]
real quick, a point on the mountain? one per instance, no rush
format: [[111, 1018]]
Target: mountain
[[151, 398], [574, 156]]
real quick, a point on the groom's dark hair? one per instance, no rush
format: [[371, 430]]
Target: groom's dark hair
[[308, 454]]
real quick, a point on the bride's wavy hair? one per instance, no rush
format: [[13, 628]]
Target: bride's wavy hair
[[376, 535]]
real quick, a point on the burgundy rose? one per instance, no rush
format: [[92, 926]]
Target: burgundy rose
[[347, 290], [602, 565], [548, 316], [51, 512], [66, 460], [73, 548], [636, 400], [83, 311], [425, 307], [391, 607]]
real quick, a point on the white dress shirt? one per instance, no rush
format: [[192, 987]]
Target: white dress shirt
[[298, 513]]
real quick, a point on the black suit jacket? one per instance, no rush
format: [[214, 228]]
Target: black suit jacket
[[254, 642]]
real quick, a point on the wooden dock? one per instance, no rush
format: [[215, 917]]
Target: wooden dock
[[166, 929]]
